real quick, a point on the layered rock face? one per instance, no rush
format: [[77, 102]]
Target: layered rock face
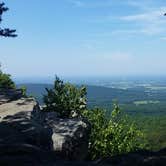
[[12, 107], [70, 138], [22, 122], [9, 95]]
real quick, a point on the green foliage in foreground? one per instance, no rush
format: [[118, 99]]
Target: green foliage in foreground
[[114, 135], [6, 81], [110, 135], [65, 98], [24, 91]]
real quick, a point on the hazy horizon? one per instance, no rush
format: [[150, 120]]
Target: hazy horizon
[[89, 79]]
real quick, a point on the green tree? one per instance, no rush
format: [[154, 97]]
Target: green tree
[[65, 98], [112, 136], [24, 91], [6, 81], [5, 32]]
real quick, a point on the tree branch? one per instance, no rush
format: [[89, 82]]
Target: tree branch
[[6, 32]]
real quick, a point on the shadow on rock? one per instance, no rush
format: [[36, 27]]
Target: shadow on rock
[[22, 128]]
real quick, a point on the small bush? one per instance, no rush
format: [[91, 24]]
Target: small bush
[[6, 81], [112, 136], [24, 91], [65, 98]]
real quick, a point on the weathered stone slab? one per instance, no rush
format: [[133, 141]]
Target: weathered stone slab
[[70, 137], [7, 95], [16, 106]]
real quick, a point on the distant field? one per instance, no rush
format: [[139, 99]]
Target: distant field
[[157, 88], [136, 100], [144, 102]]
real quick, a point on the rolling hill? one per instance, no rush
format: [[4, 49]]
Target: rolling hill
[[132, 100]]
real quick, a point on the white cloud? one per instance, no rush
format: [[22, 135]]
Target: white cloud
[[149, 22], [152, 16]]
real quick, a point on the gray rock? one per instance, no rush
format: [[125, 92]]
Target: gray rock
[[139, 158], [20, 128], [7, 95], [70, 137], [16, 118], [42, 117], [16, 106], [65, 137], [27, 124]]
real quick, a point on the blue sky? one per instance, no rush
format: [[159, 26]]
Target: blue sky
[[85, 38]]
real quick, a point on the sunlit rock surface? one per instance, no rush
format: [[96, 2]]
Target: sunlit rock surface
[[16, 106], [22, 122]]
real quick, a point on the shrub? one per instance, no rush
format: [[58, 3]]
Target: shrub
[[65, 98], [24, 90], [112, 136], [6, 81]]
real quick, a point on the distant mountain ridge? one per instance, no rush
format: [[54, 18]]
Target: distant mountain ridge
[[132, 100], [97, 94], [93, 92]]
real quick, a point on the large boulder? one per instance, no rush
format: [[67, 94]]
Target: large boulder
[[66, 137], [17, 125], [70, 137], [17, 106], [21, 129], [7, 95], [23, 122]]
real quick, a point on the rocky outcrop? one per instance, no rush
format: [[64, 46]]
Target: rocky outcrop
[[30, 137], [67, 137], [70, 137], [13, 107], [25, 123], [7, 95], [27, 155], [140, 158], [21, 129]]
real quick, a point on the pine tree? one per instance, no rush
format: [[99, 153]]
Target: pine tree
[[5, 32]]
